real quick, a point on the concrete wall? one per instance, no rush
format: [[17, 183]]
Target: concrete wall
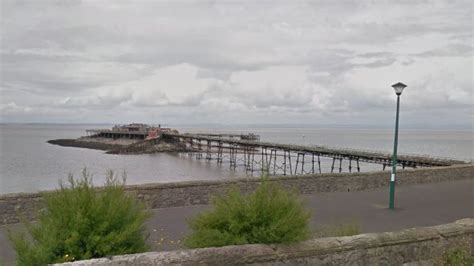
[[417, 246], [12, 206]]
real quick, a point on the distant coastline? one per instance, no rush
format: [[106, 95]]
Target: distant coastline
[[418, 126]]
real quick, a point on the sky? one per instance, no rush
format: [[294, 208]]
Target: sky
[[237, 62]]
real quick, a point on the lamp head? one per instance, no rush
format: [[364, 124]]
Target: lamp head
[[398, 87]]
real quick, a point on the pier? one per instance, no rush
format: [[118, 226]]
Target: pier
[[248, 152], [288, 159]]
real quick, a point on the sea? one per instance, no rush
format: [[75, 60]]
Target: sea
[[29, 164]]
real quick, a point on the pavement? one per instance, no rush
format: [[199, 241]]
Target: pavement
[[416, 205]]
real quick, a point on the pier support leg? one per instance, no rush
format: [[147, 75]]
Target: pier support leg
[[233, 157], [246, 158], [199, 153], [274, 161], [269, 162], [332, 166], [219, 153], [253, 159], [289, 160], [340, 165], [302, 164], [319, 164], [297, 162], [208, 150]]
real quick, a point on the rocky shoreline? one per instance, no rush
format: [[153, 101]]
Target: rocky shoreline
[[85, 144], [120, 146]]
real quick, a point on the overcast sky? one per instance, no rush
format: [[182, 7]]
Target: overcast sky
[[237, 62]]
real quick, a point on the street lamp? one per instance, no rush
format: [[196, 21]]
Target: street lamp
[[398, 87]]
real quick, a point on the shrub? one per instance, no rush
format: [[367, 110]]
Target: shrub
[[83, 222], [268, 215], [458, 257]]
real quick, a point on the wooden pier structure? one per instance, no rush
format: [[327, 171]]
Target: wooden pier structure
[[115, 134], [247, 151], [130, 131], [288, 159]]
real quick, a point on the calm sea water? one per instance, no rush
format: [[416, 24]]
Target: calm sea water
[[28, 163]]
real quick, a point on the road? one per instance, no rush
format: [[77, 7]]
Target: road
[[417, 205]]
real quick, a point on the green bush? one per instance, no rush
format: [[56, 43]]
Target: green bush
[[83, 222], [268, 215], [457, 257]]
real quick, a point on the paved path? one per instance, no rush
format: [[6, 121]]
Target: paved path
[[418, 205]]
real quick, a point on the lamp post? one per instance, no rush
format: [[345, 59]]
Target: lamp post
[[398, 87]]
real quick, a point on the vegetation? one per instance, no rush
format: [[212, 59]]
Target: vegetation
[[83, 222], [457, 257], [344, 229], [268, 215]]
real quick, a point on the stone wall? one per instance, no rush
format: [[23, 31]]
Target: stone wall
[[416, 246], [14, 206]]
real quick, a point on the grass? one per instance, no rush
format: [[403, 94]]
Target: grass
[[341, 229], [457, 257]]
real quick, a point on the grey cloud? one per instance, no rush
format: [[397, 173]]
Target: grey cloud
[[81, 55], [376, 54], [458, 49], [17, 56], [203, 59], [46, 83], [379, 63], [379, 33], [407, 61], [287, 100], [63, 37]]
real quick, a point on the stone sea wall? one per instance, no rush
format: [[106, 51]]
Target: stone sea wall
[[14, 206], [416, 246]]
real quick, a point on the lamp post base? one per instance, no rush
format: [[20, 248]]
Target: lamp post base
[[392, 193]]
